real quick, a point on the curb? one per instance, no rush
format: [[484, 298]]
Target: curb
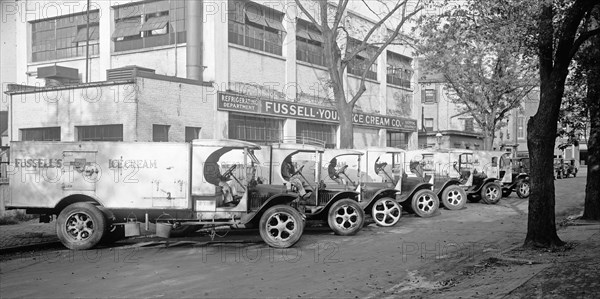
[[7, 250]]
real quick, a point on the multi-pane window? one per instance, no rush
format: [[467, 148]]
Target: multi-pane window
[[469, 127], [192, 133], [255, 26], [309, 43], [399, 71], [100, 133], [255, 128], [428, 124], [397, 139], [41, 134], [428, 95], [520, 127], [317, 132], [149, 24], [360, 62], [160, 133], [64, 37]]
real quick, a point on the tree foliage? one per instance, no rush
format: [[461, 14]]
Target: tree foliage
[[573, 117], [336, 26], [485, 69]]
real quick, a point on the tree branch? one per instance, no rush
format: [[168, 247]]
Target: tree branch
[[309, 16]]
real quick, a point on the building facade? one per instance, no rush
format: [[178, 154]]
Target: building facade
[[443, 124], [262, 75]]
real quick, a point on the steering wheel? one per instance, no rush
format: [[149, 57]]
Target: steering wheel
[[380, 166], [228, 172], [299, 170], [341, 170]]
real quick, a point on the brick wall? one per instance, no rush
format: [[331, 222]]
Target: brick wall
[[260, 68], [177, 105], [68, 108]]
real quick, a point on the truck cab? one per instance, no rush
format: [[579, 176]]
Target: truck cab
[[300, 169]]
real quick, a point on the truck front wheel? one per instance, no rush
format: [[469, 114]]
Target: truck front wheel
[[346, 217], [80, 226], [281, 226], [454, 197]]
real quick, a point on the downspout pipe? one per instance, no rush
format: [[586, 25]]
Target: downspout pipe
[[194, 36]]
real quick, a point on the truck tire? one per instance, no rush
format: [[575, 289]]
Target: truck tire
[[491, 193], [281, 226], [386, 212], [454, 197], [346, 217], [424, 203], [523, 188], [80, 226]]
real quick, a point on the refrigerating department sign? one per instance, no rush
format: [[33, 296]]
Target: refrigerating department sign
[[240, 103]]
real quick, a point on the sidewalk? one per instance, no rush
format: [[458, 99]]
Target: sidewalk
[[568, 272], [26, 234]]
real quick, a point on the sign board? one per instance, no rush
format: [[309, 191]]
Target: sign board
[[241, 103]]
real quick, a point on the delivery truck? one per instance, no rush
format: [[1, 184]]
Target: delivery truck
[[94, 189]]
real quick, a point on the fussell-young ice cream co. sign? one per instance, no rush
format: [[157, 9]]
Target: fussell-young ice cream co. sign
[[240, 103]]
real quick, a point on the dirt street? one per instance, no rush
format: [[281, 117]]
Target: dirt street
[[416, 254]]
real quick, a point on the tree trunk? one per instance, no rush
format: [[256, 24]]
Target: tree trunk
[[541, 225], [488, 140], [592, 189], [541, 136], [346, 126]]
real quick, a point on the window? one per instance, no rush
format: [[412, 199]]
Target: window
[[160, 133], [399, 71], [64, 37], [100, 133], [428, 124], [255, 128], [192, 133], [428, 95], [469, 127], [255, 26], [149, 24], [319, 132], [41, 134], [360, 61], [309, 43], [520, 127], [397, 139]]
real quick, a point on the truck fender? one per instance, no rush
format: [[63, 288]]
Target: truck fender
[[488, 180], [338, 196], [402, 199], [279, 199], [388, 192], [446, 184], [522, 177], [71, 199]]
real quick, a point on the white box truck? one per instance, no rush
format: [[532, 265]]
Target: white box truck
[[94, 187]]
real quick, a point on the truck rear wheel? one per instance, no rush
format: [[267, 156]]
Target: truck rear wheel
[[346, 217], [80, 226], [491, 193], [424, 203], [281, 226], [454, 197], [386, 211]]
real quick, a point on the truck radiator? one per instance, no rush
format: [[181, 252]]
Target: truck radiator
[[256, 200], [325, 197]]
